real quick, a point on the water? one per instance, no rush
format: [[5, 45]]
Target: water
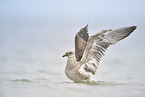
[[33, 39], [32, 66]]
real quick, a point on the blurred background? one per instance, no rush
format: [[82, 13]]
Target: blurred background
[[34, 34]]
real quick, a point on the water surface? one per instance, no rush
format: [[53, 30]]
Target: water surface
[[34, 36]]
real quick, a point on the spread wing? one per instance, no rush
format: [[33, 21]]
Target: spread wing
[[98, 44], [80, 42]]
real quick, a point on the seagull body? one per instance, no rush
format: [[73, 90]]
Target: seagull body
[[83, 64], [73, 69]]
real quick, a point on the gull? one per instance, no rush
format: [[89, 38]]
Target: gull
[[83, 63]]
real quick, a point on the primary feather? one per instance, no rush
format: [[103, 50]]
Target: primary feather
[[98, 44]]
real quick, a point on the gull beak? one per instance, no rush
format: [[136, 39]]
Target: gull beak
[[64, 55]]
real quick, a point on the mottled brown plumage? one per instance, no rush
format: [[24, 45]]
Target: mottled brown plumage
[[90, 50], [80, 42]]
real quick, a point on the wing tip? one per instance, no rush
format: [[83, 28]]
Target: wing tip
[[133, 27], [86, 26]]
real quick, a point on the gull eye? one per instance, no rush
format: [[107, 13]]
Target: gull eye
[[70, 53]]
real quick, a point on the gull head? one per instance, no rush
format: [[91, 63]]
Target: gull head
[[68, 54]]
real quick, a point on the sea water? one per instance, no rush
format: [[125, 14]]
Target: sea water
[[35, 34], [31, 65]]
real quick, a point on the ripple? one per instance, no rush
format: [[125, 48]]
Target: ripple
[[48, 72], [105, 83], [22, 80], [99, 83]]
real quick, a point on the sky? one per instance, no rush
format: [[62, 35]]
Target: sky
[[43, 10], [38, 19]]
